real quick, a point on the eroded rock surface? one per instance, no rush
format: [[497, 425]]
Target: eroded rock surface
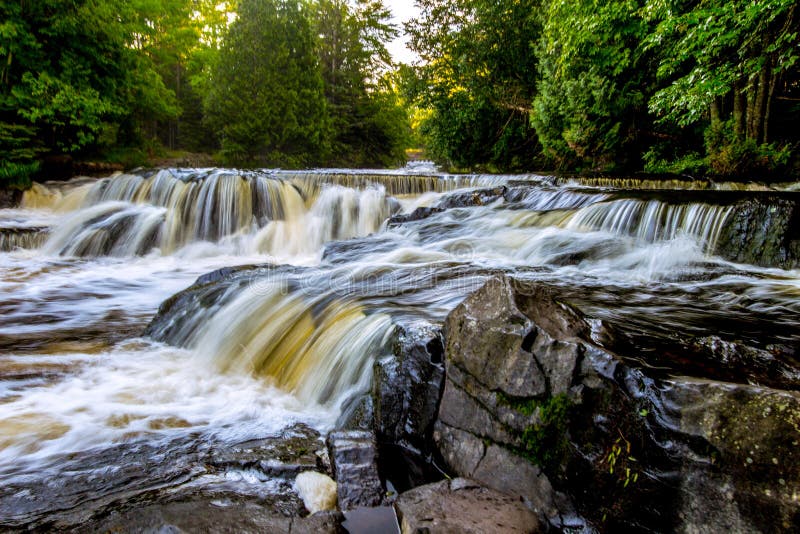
[[535, 407]]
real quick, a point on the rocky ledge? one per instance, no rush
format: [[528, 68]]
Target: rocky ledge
[[537, 407]]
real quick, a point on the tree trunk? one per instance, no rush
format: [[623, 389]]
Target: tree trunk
[[760, 104], [770, 94], [739, 105], [715, 114], [752, 97]]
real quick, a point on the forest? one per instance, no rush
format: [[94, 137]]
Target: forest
[[709, 87]]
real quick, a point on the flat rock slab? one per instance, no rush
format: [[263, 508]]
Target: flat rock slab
[[463, 506]]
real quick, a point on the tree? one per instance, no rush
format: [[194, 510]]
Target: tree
[[369, 125], [266, 100], [723, 63], [592, 95], [477, 80]]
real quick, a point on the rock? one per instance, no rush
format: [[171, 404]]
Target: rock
[[416, 215], [762, 231], [354, 460], [10, 198], [535, 408], [318, 491], [466, 199], [463, 506], [406, 388], [210, 515], [357, 414]]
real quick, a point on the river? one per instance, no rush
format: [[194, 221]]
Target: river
[[331, 262]]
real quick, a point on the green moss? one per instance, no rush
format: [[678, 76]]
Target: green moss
[[525, 406], [545, 442]]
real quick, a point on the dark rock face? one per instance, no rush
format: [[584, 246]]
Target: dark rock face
[[10, 198], [535, 408], [354, 459], [407, 386], [763, 232], [463, 506]]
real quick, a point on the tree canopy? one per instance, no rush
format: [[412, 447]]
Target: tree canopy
[[681, 86], [665, 85]]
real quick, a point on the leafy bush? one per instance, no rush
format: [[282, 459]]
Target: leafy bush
[[17, 175], [734, 157]]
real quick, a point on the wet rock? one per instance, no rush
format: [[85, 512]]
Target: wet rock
[[416, 215], [354, 458], [586, 434], [762, 231], [212, 515], [479, 197], [10, 198], [407, 386], [293, 451], [357, 414], [463, 506]]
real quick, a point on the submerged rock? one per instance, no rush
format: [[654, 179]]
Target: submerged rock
[[476, 197], [463, 506], [535, 407]]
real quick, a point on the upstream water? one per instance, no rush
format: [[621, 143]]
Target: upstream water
[[335, 262]]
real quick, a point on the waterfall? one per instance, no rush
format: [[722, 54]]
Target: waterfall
[[318, 347], [654, 220], [21, 238]]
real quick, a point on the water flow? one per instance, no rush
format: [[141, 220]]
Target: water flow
[[252, 350], [654, 220]]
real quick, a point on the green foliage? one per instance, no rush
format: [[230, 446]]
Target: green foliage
[[266, 102], [369, 125], [715, 48], [591, 94], [734, 157], [477, 82], [17, 175]]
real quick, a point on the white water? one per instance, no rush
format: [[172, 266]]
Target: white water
[[294, 345]]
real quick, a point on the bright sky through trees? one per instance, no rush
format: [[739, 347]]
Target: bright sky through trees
[[402, 10]]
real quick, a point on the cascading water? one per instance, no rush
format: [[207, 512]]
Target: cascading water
[[654, 220], [317, 274]]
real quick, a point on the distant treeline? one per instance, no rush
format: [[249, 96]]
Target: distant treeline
[[698, 87], [259, 82], [664, 86]]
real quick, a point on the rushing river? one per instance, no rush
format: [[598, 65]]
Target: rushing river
[[339, 262]]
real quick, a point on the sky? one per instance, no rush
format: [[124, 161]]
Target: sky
[[402, 10]]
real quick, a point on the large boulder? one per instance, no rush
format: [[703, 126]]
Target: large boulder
[[536, 407]]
